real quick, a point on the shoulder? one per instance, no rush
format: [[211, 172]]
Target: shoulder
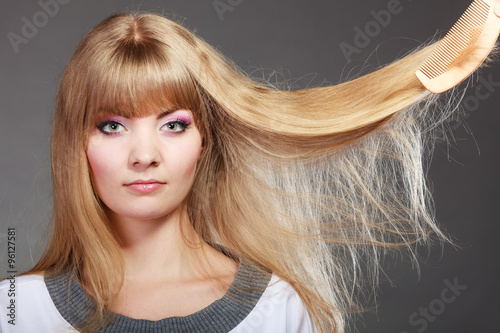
[[28, 305], [279, 310], [31, 281]]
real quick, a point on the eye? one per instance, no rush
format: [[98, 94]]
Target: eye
[[176, 126], [110, 127]]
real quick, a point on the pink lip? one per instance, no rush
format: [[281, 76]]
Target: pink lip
[[145, 186]]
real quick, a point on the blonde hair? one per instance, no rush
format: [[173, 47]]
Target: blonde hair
[[311, 184]]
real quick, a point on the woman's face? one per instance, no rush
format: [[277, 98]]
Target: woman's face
[[144, 167]]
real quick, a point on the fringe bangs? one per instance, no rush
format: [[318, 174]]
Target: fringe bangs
[[130, 87], [137, 76]]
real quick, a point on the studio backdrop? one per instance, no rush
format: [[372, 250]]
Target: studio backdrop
[[295, 44]]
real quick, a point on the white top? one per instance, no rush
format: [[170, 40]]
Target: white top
[[27, 307]]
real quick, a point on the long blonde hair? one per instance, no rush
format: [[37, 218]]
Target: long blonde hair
[[311, 184]]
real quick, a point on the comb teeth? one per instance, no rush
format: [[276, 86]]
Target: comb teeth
[[467, 29], [478, 27]]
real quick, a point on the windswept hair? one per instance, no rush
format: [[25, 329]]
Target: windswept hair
[[313, 185]]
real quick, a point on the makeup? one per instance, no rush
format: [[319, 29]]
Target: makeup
[[111, 126], [177, 122], [145, 186]]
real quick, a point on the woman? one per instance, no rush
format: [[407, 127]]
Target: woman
[[188, 197]]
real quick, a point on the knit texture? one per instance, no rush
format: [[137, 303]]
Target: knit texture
[[223, 315]]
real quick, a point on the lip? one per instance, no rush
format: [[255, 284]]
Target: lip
[[145, 186]]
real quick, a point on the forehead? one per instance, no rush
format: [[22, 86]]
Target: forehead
[[158, 113]]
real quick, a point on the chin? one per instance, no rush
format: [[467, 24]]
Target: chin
[[148, 215], [144, 213]]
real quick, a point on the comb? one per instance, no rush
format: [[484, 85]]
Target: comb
[[477, 28]]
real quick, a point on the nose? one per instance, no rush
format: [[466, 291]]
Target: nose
[[144, 151]]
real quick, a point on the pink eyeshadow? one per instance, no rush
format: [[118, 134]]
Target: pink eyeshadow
[[180, 115]]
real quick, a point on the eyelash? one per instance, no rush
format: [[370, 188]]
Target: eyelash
[[183, 125], [101, 126]]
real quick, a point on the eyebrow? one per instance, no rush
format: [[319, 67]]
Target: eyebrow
[[167, 112], [161, 115]]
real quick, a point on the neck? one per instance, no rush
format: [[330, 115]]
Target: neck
[[156, 249]]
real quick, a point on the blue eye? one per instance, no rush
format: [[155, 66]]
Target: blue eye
[[110, 127], [176, 126]]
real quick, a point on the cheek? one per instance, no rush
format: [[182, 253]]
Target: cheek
[[190, 153], [102, 164], [95, 161], [190, 163]]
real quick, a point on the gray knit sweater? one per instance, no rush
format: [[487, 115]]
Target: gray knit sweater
[[73, 303]]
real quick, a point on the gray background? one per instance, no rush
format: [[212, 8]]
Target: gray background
[[301, 41]]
